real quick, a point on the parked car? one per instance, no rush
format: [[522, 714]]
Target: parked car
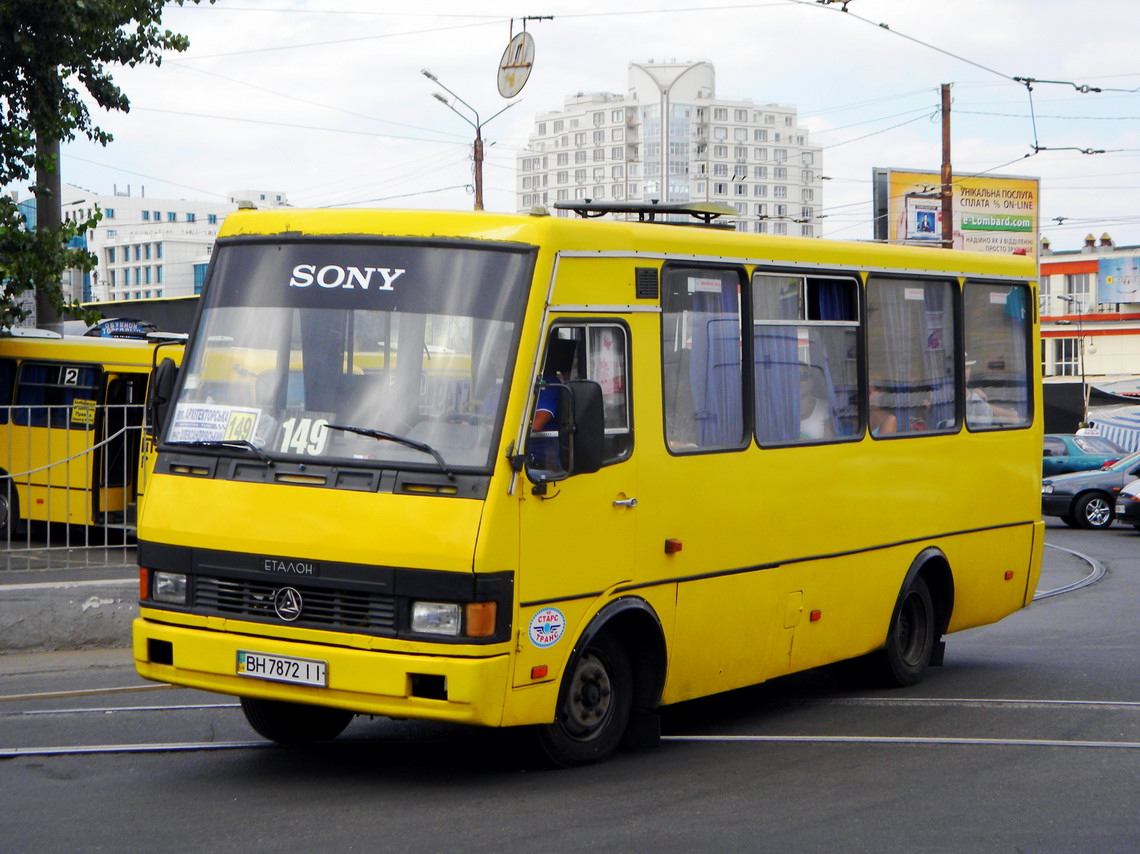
[[1128, 505], [1087, 499], [1064, 452]]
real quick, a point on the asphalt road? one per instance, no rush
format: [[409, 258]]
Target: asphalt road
[[1027, 740]]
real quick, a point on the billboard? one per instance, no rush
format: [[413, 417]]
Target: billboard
[[1118, 280], [992, 213]]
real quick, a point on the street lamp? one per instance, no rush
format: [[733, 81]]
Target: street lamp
[[664, 87], [477, 124], [1076, 303]]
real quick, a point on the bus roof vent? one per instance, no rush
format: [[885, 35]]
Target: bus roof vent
[[704, 212]]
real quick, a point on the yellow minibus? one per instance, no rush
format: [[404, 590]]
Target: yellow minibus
[[561, 471], [71, 427]]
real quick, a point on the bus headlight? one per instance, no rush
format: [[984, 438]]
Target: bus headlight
[[169, 587], [436, 618]]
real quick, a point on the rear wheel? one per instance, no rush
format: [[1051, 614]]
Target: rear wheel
[[1094, 511], [910, 638], [294, 723], [9, 510], [594, 709]]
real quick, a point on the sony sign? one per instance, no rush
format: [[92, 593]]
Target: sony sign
[[336, 276]]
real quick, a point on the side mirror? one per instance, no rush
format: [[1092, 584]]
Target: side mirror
[[158, 396], [581, 429]]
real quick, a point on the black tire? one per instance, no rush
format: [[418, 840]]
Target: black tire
[[294, 723], [1070, 520], [9, 510], [910, 638], [595, 705], [1094, 511]]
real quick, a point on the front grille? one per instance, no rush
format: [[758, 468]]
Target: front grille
[[348, 610]]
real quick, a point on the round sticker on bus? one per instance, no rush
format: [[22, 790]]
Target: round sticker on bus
[[547, 627]]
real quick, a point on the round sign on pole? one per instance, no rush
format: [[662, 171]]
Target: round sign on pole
[[514, 67]]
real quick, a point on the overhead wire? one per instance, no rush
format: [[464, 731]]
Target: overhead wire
[[288, 96], [489, 19]]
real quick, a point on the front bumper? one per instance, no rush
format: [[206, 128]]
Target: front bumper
[[365, 681], [1056, 504], [1128, 512]]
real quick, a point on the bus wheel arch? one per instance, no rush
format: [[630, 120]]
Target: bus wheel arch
[[934, 568], [612, 683]]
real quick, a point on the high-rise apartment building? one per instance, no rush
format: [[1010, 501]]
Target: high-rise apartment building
[[671, 139]]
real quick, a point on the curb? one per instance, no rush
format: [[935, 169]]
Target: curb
[[67, 615]]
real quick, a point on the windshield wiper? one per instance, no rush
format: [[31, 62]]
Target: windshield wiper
[[228, 443], [402, 440]]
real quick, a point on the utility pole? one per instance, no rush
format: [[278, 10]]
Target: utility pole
[[477, 150], [947, 174]]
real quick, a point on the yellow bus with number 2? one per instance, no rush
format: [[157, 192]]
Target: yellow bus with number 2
[[72, 450], [559, 472]]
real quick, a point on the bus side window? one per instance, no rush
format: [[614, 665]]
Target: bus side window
[[911, 362], [701, 359], [805, 340], [997, 371], [57, 395], [597, 352]]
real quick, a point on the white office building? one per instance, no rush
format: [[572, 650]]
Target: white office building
[[671, 139], [150, 248]]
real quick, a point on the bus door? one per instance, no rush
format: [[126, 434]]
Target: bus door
[[577, 531], [115, 461]]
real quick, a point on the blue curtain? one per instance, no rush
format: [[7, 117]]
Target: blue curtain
[[714, 368], [777, 383]]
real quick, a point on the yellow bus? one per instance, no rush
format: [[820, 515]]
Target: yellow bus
[[71, 411], [556, 471]]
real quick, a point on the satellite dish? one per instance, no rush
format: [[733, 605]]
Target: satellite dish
[[514, 67]]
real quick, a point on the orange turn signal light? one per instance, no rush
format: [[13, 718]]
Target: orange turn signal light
[[539, 671], [144, 583], [481, 619]]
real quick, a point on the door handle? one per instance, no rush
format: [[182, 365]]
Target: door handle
[[625, 502]]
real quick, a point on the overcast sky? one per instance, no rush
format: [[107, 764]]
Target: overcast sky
[[324, 100]]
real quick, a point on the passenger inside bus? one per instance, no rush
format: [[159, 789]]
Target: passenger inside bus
[[980, 411], [880, 421], [816, 421]]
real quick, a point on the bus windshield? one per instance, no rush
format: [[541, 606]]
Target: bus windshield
[[375, 352]]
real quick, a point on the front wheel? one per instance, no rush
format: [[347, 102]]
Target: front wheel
[[1094, 511], [594, 706], [294, 723]]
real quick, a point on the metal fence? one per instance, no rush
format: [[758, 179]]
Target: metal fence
[[70, 475]]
